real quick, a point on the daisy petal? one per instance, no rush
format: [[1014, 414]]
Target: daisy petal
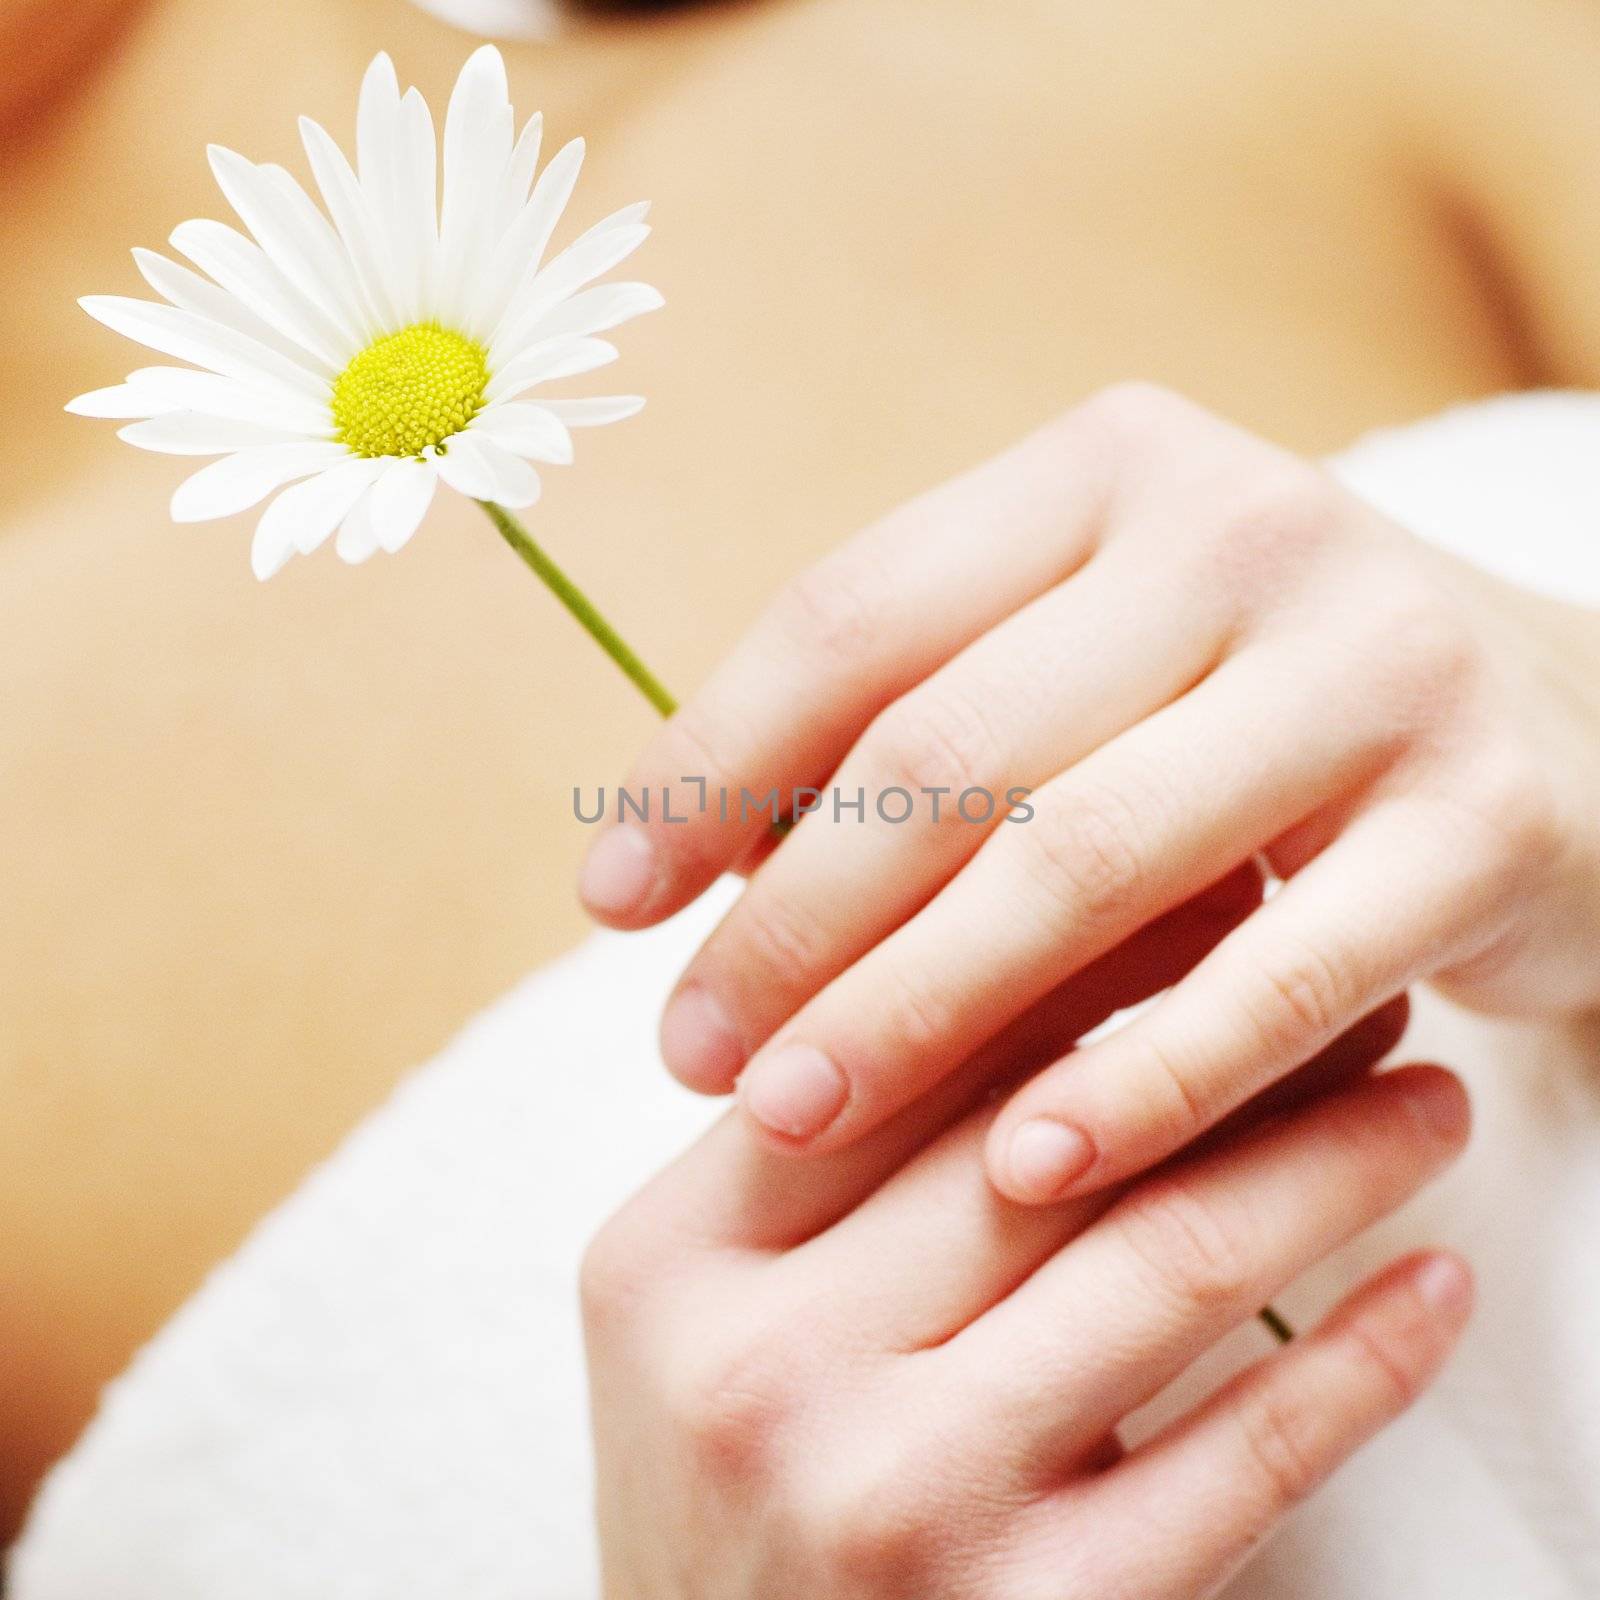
[[400, 499], [544, 363], [377, 116], [358, 533], [637, 212], [209, 344], [191, 433], [378, 149], [461, 464], [520, 169], [189, 291], [522, 247], [268, 558], [240, 481], [303, 516], [313, 224], [250, 277], [516, 484], [477, 146], [293, 233], [477, 128], [119, 401], [597, 252], [183, 389], [599, 309], [352, 215], [526, 430], [415, 184], [597, 412]]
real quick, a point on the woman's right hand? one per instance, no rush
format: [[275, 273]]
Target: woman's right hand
[[870, 1376]]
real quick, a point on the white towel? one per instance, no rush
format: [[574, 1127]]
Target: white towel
[[499, 19], [382, 1392]]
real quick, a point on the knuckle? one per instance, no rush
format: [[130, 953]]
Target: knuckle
[[876, 1525], [1531, 823], [1288, 500], [1432, 656], [1279, 1440], [702, 738], [1174, 1109], [925, 1016], [835, 611], [1199, 1260], [1299, 998], [729, 1407], [1086, 854], [879, 1544], [1387, 1364], [778, 935], [1282, 513], [613, 1272], [935, 741], [1520, 812], [706, 746], [1135, 412]]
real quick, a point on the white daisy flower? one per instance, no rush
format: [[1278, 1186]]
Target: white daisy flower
[[343, 364]]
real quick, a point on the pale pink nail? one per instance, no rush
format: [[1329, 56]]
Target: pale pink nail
[[1446, 1286], [796, 1091], [618, 873], [1044, 1156], [698, 1042]]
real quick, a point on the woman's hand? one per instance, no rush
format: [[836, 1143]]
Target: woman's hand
[[1191, 647], [871, 1376]]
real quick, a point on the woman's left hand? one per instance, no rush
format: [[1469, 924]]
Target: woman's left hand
[[873, 1377], [1191, 647]]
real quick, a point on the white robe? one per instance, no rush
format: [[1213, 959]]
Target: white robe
[[381, 1393]]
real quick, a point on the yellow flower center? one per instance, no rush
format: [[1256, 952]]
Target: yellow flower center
[[409, 390]]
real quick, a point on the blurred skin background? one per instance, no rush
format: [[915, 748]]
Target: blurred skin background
[[264, 848]]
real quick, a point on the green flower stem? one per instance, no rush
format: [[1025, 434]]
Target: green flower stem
[[609, 640], [580, 605]]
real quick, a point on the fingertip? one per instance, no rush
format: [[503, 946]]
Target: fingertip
[[1040, 1160], [620, 880], [1415, 1309], [794, 1093], [1437, 1097], [1445, 1284], [699, 1044]]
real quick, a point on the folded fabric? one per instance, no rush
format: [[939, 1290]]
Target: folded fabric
[[382, 1392], [499, 19]]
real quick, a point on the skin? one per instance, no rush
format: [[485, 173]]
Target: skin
[[886, 1381], [281, 842], [1093, 619]]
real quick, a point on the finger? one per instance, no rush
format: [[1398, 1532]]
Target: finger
[[1380, 908], [935, 1247], [927, 783], [1199, 1499], [1135, 829], [838, 645], [1352, 1055], [731, 1190], [1189, 1253]]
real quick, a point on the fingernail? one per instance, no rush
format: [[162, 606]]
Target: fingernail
[[698, 1042], [1446, 1287], [618, 873], [1440, 1104], [1045, 1156], [796, 1091]]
